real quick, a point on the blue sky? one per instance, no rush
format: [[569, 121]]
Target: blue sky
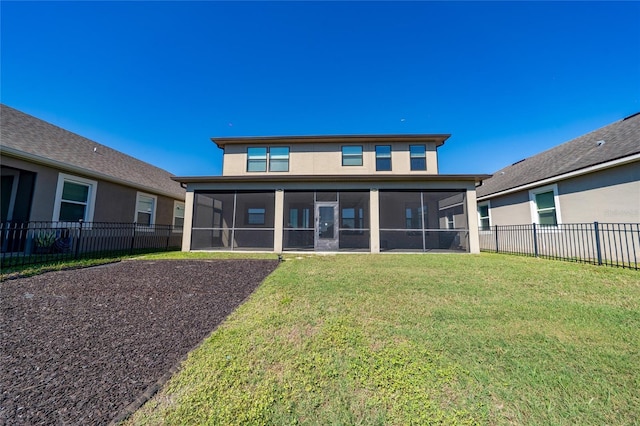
[[157, 80]]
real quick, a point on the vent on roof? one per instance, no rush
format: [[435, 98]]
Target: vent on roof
[[518, 162], [631, 116], [600, 143]]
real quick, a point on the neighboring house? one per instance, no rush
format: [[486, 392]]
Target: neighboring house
[[52, 175], [331, 193], [595, 177]]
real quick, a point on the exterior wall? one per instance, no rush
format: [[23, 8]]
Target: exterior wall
[[326, 159], [610, 196], [114, 202], [511, 209], [44, 193]]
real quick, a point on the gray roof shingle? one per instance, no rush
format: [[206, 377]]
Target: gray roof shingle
[[621, 139], [37, 138]]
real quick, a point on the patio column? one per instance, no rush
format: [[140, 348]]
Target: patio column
[[374, 219], [278, 226], [472, 217], [188, 221]]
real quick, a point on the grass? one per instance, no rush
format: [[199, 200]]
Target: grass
[[415, 339]]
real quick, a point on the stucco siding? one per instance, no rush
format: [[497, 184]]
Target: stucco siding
[[611, 195], [512, 209], [326, 159]]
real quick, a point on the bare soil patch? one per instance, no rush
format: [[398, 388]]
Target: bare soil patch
[[80, 346]]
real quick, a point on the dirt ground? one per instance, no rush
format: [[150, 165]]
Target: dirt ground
[[81, 347]]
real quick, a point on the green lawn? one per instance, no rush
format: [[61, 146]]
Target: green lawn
[[419, 339]]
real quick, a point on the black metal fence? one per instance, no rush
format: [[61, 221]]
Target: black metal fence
[[611, 244], [31, 243]]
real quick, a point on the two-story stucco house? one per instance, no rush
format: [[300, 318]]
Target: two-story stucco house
[[331, 193]]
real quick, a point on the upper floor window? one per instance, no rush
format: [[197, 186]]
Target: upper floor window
[[75, 199], [484, 222], [544, 209], [352, 155], [418, 157], [257, 159], [279, 159], [383, 158], [145, 209], [276, 156]]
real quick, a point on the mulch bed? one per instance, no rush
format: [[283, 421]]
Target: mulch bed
[[82, 346]]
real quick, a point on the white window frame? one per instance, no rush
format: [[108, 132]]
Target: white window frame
[[153, 213], [173, 220], [482, 204], [534, 207], [91, 196]]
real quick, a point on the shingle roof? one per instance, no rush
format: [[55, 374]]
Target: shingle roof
[[614, 141], [23, 134]]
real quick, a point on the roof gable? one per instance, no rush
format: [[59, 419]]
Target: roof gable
[[21, 133], [612, 142]]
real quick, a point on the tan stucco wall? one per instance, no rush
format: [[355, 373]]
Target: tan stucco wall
[[326, 159]]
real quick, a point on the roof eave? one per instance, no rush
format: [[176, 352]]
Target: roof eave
[[552, 179], [12, 152], [439, 139], [330, 178]]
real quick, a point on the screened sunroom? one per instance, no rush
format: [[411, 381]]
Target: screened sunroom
[[356, 219]]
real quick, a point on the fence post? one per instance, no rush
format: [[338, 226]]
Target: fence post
[[496, 227], [168, 237], [535, 240], [77, 251], [596, 229], [133, 239]]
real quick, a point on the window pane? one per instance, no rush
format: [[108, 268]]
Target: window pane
[[72, 191], [418, 164], [256, 216], [352, 155], [352, 150], [548, 218], [484, 224], [383, 164], [279, 152], [383, 151], [143, 218], [278, 165], [257, 153], [257, 159], [145, 204], [178, 222], [179, 210], [545, 200], [483, 211], [348, 218], [417, 151], [71, 212]]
